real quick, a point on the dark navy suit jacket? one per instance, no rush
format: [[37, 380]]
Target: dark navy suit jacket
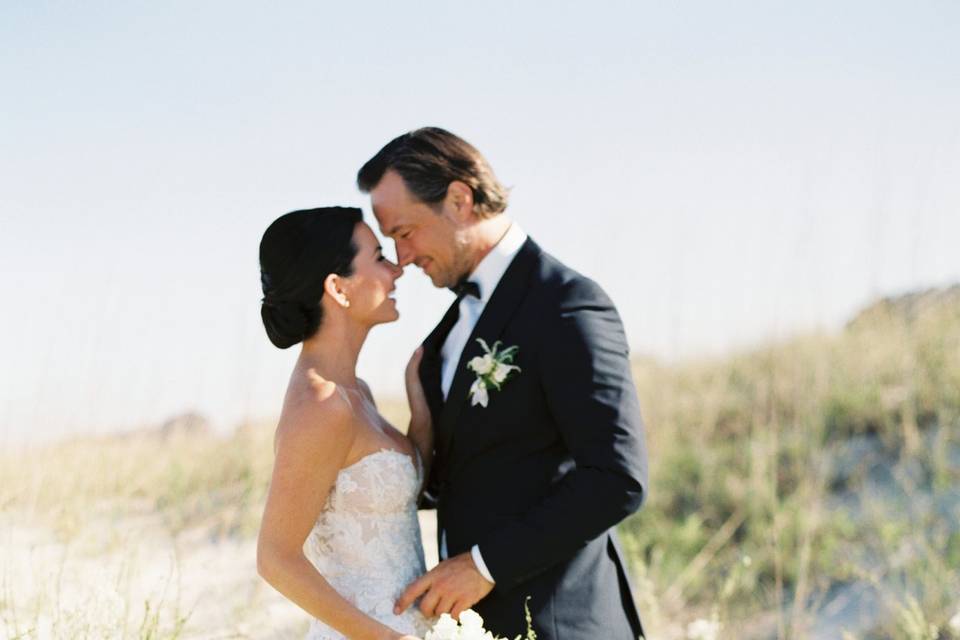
[[540, 477]]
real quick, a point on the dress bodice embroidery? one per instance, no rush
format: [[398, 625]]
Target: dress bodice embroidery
[[366, 541]]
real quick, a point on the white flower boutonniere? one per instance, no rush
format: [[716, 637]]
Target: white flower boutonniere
[[492, 369]]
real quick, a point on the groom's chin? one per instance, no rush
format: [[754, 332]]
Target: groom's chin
[[437, 281]]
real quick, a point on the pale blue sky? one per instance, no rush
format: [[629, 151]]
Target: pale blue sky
[[729, 172]]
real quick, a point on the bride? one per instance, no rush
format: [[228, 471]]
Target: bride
[[340, 536]]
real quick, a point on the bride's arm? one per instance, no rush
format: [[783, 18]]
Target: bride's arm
[[421, 423], [313, 442]]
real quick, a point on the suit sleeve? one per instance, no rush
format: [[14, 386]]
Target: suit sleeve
[[585, 371], [428, 495], [430, 370]]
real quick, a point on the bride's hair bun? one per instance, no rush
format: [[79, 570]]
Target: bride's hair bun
[[297, 253], [289, 322]]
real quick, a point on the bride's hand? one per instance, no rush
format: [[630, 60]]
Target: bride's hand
[[419, 409]]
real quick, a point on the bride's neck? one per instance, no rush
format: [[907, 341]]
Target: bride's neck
[[333, 350]]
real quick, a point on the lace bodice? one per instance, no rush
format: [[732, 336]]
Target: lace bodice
[[366, 541]]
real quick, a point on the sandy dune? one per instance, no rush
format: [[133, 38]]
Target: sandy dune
[[95, 583]]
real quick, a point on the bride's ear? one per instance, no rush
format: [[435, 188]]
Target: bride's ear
[[333, 288]]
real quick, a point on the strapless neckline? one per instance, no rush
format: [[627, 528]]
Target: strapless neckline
[[387, 450]]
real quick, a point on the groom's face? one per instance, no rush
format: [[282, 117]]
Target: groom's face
[[431, 237]]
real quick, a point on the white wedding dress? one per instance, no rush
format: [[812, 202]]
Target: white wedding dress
[[366, 541]]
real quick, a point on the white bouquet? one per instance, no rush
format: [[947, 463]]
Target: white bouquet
[[470, 627]]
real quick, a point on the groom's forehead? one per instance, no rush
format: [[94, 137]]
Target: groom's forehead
[[389, 220], [389, 199], [392, 215]]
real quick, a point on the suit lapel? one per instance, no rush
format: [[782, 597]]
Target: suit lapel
[[506, 298], [430, 365]]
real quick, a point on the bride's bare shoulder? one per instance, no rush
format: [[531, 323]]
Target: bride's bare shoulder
[[365, 389], [318, 405]]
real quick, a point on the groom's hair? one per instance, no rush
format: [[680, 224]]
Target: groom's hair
[[428, 160]]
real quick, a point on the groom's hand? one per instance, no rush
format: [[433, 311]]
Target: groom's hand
[[452, 586]]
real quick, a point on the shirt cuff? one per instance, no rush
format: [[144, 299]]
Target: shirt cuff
[[481, 567]]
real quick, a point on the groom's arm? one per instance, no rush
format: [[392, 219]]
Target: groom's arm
[[428, 495], [429, 373], [585, 369]]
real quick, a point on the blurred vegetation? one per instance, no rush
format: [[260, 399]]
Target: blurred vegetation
[[817, 471], [192, 480], [806, 472]]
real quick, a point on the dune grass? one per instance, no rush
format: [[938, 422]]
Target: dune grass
[[101, 512], [788, 476]]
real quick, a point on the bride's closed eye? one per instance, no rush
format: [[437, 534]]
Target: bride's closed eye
[[383, 258]]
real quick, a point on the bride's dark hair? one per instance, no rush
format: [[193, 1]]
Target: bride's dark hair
[[297, 253]]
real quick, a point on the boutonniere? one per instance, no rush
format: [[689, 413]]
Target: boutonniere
[[492, 369]]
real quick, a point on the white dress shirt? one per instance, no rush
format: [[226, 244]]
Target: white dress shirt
[[487, 275]]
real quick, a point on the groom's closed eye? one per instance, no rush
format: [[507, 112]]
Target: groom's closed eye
[[399, 233]]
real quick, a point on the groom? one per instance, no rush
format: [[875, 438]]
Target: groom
[[531, 472]]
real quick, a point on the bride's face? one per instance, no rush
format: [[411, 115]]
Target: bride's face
[[370, 288]]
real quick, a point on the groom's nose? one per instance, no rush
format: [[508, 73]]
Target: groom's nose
[[404, 254]]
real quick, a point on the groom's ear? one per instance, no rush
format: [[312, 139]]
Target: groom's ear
[[459, 200]]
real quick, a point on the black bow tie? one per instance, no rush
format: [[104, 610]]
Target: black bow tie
[[466, 288]]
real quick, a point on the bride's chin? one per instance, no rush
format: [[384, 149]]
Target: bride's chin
[[391, 314]]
